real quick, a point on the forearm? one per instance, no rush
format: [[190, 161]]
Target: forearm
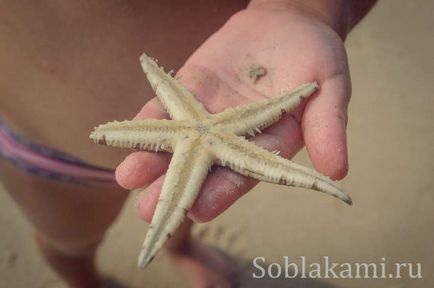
[[341, 15]]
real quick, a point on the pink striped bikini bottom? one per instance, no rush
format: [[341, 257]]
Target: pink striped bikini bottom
[[50, 163]]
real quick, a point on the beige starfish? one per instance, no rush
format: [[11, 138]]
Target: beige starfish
[[198, 140]]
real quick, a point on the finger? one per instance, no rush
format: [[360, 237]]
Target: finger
[[324, 127], [152, 109], [141, 168], [223, 187], [148, 199]]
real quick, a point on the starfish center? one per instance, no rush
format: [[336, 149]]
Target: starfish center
[[202, 129]]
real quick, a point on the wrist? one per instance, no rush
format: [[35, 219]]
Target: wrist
[[333, 13]]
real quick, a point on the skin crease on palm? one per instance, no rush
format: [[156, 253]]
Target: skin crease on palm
[[306, 50]]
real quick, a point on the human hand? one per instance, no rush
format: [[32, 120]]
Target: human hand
[[294, 47]]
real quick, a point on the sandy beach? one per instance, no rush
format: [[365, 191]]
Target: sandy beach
[[391, 149]]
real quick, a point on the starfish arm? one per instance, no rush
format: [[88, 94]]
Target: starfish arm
[[149, 134], [259, 115], [187, 170], [176, 99], [250, 160]]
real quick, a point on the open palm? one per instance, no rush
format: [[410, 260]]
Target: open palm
[[293, 49]]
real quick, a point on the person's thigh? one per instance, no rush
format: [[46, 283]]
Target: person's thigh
[[72, 218]]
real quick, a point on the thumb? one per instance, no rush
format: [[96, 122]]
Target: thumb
[[324, 127]]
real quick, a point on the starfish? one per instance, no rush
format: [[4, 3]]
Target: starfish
[[199, 140]]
